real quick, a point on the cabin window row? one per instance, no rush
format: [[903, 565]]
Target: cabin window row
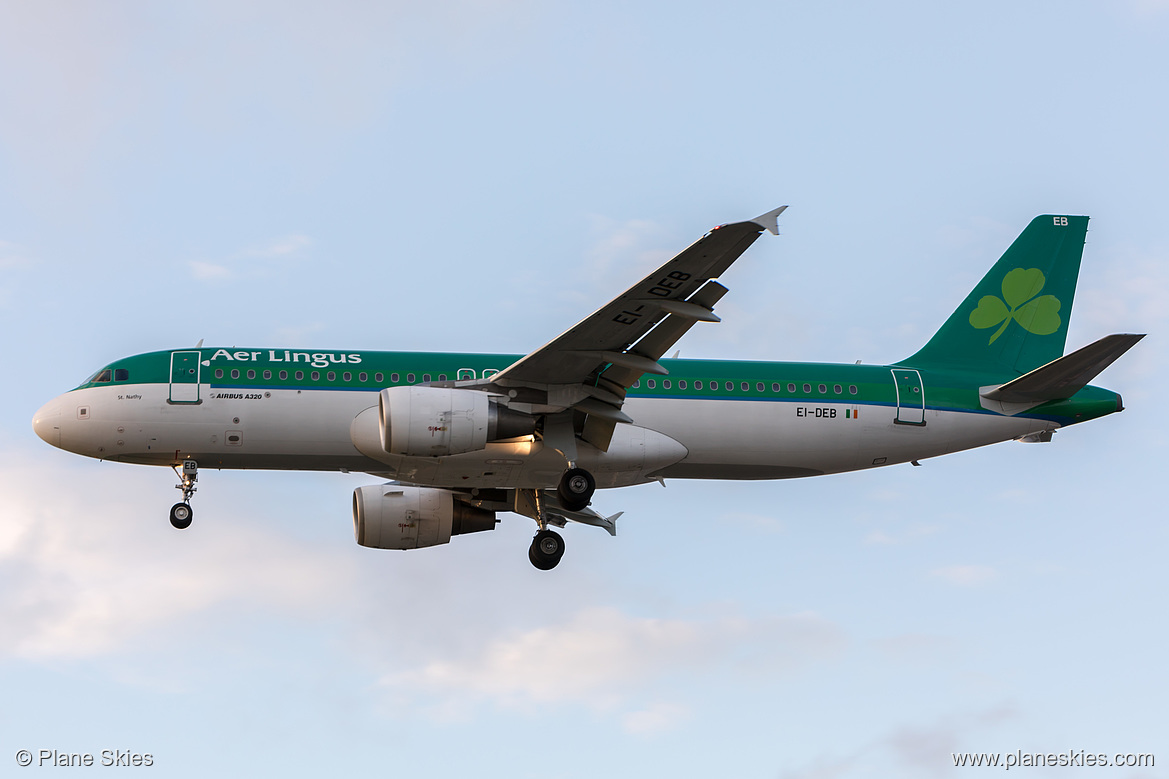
[[745, 386], [346, 376]]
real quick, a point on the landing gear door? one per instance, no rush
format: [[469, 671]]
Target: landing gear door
[[910, 397], [184, 377]]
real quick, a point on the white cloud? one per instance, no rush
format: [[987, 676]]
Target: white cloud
[[252, 261], [604, 658], [82, 583], [206, 271], [966, 575], [281, 247], [658, 718]]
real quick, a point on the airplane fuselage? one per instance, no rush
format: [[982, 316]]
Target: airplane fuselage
[[708, 419]]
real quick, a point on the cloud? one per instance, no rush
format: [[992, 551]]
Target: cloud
[[205, 271], [244, 262], [657, 718], [281, 247], [604, 658], [12, 257], [966, 575], [880, 537], [78, 583], [910, 749]]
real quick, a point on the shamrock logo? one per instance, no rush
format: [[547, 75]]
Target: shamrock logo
[[1038, 315]]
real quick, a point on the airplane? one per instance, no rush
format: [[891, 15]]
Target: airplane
[[461, 438]]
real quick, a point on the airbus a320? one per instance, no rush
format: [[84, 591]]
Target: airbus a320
[[461, 438]]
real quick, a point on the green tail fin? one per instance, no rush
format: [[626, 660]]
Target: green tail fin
[[1016, 319]]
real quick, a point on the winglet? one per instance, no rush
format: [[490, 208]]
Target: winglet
[[770, 220]]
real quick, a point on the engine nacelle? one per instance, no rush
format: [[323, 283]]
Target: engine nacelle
[[437, 421], [392, 516]]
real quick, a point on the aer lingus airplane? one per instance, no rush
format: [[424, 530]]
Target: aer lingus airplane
[[464, 436]]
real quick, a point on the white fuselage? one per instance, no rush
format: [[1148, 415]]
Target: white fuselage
[[334, 429]]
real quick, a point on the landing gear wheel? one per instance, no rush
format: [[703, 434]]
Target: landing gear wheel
[[576, 489], [546, 550], [181, 515]]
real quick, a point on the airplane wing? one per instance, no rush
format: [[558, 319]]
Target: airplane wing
[[590, 366]]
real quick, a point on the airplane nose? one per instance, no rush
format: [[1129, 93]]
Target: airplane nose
[[46, 423]]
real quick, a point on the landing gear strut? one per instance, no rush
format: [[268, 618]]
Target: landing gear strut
[[546, 550], [576, 489], [181, 513]]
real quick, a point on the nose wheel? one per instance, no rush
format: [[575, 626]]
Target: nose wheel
[[546, 550], [181, 514]]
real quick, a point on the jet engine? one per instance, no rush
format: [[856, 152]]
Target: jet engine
[[436, 421], [392, 516]]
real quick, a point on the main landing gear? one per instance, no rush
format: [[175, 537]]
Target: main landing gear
[[546, 550], [181, 514], [576, 489]]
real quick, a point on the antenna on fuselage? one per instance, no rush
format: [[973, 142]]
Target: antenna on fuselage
[[200, 344]]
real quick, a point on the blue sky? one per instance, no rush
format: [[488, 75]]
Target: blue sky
[[477, 176]]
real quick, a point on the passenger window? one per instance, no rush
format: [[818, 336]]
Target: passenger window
[[251, 374], [332, 375], [363, 376], [791, 387], [651, 383], [104, 376], [219, 373], [807, 389], [300, 375], [235, 373], [759, 386], [730, 385], [283, 375], [379, 376], [409, 378], [426, 377], [121, 374], [823, 389], [744, 386], [698, 384], [837, 389], [393, 378], [775, 386], [852, 388], [666, 384], [347, 376], [636, 384], [682, 384], [267, 375], [442, 377], [316, 375]]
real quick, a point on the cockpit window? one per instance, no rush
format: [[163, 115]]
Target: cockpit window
[[121, 374], [103, 376]]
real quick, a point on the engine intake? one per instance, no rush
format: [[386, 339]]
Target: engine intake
[[392, 516], [437, 421]]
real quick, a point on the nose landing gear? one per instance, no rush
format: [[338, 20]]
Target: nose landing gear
[[181, 514]]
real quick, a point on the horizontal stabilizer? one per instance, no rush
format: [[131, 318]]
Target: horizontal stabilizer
[[1064, 377]]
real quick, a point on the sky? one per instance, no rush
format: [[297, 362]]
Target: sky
[[478, 175]]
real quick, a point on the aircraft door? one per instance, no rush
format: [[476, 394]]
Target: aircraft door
[[910, 397], [184, 377]]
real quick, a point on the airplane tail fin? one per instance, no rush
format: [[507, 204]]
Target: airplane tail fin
[[1016, 319]]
